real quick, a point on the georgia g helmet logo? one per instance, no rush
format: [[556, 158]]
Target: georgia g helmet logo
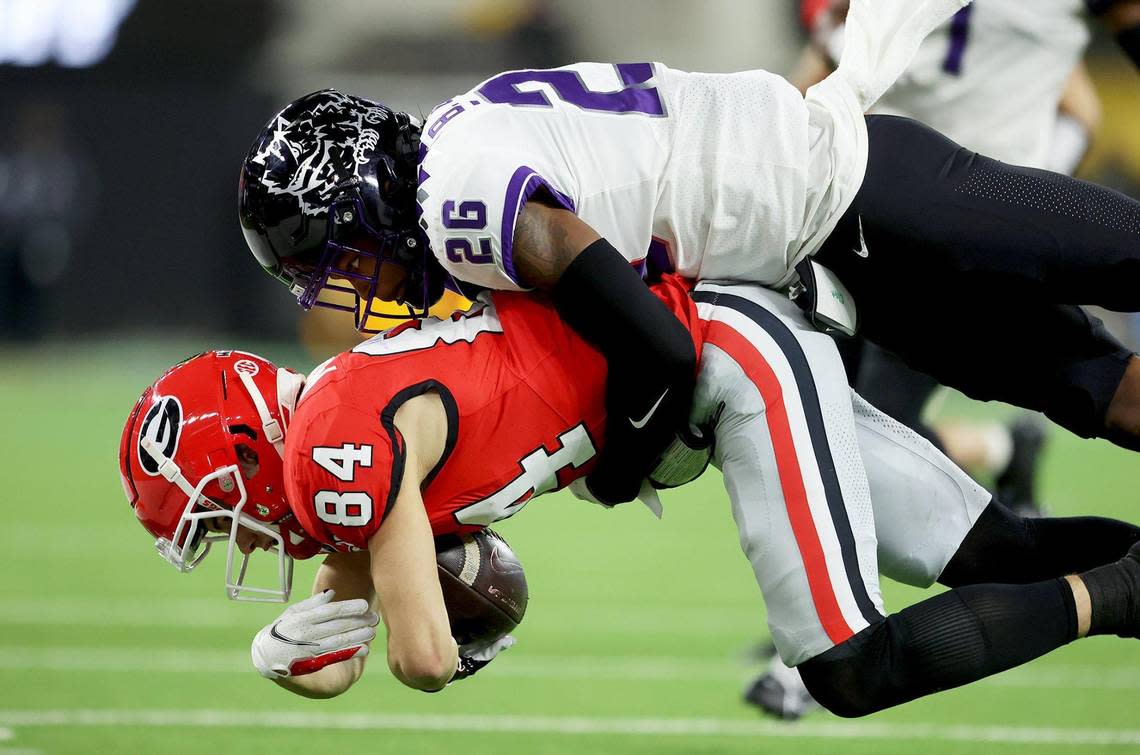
[[162, 425]]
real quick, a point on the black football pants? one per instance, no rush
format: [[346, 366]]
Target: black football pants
[[974, 268]]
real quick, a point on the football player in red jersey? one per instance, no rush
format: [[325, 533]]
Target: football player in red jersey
[[445, 426]]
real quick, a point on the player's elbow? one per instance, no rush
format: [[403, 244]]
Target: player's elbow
[[426, 669]]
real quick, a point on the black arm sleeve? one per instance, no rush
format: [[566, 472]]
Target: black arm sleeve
[[651, 361]]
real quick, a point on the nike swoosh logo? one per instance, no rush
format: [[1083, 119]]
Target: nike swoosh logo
[[862, 250], [278, 636], [637, 425]]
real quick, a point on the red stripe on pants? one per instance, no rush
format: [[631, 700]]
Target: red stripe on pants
[[757, 369]]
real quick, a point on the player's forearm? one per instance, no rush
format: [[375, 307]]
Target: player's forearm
[[421, 652], [651, 365]]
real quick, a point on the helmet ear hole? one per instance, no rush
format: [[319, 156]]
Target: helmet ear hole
[[248, 461]]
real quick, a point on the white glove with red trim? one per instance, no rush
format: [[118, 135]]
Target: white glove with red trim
[[312, 634]]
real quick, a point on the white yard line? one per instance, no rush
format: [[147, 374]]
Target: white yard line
[[696, 620], [572, 725], [515, 666]]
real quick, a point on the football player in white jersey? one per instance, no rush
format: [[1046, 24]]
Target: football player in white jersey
[[558, 180]]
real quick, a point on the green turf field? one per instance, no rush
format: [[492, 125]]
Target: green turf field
[[633, 642]]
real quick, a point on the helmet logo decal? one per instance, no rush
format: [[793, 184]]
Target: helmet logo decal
[[262, 510], [163, 426], [246, 366], [325, 147]]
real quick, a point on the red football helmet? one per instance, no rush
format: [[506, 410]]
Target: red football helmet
[[205, 442]]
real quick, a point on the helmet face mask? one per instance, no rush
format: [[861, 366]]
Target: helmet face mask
[[351, 238], [331, 175], [192, 539], [201, 465]]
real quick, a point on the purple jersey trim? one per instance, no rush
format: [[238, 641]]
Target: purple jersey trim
[[523, 184]]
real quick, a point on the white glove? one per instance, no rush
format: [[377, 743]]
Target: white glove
[[647, 495], [475, 655], [312, 634], [582, 492]]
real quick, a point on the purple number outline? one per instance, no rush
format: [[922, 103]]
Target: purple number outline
[[633, 98]]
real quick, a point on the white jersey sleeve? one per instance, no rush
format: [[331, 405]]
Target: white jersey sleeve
[[469, 212]]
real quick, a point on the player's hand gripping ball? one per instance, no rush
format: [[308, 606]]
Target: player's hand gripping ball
[[483, 584]]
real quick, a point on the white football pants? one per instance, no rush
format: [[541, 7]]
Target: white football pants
[[826, 490]]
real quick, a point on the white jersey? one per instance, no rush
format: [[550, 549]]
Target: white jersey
[[717, 176], [992, 77], [706, 174]]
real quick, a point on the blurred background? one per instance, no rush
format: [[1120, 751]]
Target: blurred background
[[122, 127], [125, 122]]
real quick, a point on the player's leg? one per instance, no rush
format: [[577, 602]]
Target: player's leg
[[1007, 453], [895, 389], [972, 632], [994, 344], [946, 207], [933, 522], [948, 265], [786, 445]]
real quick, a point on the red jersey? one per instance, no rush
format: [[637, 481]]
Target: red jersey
[[524, 398]]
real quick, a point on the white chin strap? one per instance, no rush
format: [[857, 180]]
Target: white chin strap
[[185, 559], [289, 385], [274, 432]]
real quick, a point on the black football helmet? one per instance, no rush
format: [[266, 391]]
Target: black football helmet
[[329, 174]]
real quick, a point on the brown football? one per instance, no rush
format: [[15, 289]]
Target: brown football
[[483, 585]]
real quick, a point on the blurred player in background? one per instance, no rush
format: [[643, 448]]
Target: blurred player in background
[[404, 437], [1004, 78]]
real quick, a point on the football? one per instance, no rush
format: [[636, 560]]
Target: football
[[483, 583]]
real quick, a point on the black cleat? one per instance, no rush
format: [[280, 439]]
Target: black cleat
[[1016, 486], [781, 693]]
